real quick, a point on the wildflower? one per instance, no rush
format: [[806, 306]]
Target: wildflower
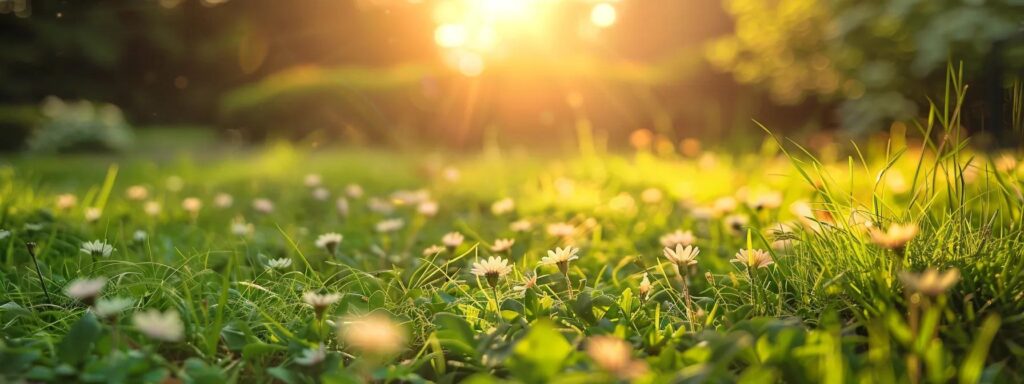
[[85, 290], [140, 236], [311, 357], [502, 245], [563, 230], [678, 237], [263, 205], [223, 200], [931, 282], [329, 241], [97, 248], [163, 326], [753, 258], [451, 174], [92, 214], [452, 240], [241, 228], [279, 264], [389, 225], [503, 206], [404, 197], [354, 191], [896, 237], [152, 208], [703, 213], [614, 356], [321, 193], [108, 307], [381, 206], [320, 302], [192, 205], [561, 257], [767, 200], [433, 250], [4, 234], [645, 286], [66, 201], [312, 180], [651, 196], [736, 222], [372, 334], [683, 258], [427, 208], [725, 204], [174, 183], [521, 225], [493, 269], [137, 192], [341, 204], [529, 281]]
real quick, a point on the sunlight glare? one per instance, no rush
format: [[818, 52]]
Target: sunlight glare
[[603, 15]]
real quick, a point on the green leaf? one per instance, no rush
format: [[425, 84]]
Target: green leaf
[[201, 373], [540, 354], [78, 343]]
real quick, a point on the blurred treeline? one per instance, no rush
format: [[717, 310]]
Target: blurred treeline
[[368, 71]]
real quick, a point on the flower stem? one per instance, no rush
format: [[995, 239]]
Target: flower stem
[[568, 284], [32, 251]]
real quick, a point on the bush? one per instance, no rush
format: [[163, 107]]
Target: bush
[[16, 123], [80, 126]]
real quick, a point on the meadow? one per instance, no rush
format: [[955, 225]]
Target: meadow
[[898, 261]]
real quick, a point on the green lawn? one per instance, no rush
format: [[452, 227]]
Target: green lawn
[[831, 307]]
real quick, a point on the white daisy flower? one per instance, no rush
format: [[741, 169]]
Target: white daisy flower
[[645, 286], [4, 234], [451, 174], [427, 208], [152, 208], [85, 290], [529, 281], [354, 191], [279, 264], [677, 238], [372, 334], [66, 201], [321, 193], [380, 206], [432, 250], [560, 257], [503, 206], [97, 248], [452, 240], [92, 214], [223, 200], [108, 307], [239, 227], [753, 258], [162, 326], [493, 269], [312, 180], [192, 205], [137, 192], [329, 241], [140, 236], [502, 245], [341, 204], [320, 302], [563, 230], [522, 225], [390, 225], [680, 256], [263, 205]]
